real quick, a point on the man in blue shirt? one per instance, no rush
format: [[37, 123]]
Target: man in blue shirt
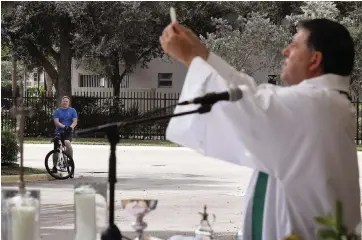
[[65, 119]]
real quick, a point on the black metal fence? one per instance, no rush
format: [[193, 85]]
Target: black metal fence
[[101, 109], [96, 110]]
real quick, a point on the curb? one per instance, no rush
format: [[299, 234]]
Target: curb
[[27, 178]]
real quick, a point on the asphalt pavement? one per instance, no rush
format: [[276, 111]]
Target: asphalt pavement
[[181, 179]]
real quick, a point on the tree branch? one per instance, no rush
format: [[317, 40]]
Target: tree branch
[[145, 53], [54, 54], [246, 58], [125, 71], [49, 68], [107, 68]]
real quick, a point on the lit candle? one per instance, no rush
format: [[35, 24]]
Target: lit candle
[[23, 223], [85, 211]]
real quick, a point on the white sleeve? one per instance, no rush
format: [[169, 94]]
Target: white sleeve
[[229, 73], [243, 132]]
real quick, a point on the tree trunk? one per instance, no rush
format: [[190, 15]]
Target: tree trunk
[[14, 82], [64, 83], [111, 68], [116, 79], [115, 76], [49, 84], [113, 72], [38, 72]]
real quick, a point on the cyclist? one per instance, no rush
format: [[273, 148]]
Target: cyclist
[[65, 119]]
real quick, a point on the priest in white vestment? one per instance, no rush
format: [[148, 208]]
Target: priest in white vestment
[[299, 139]]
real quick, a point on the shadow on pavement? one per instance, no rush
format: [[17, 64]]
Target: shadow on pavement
[[57, 234], [177, 182]]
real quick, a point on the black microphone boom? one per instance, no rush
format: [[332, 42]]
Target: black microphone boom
[[232, 95]]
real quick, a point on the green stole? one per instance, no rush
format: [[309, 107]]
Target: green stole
[[258, 206]]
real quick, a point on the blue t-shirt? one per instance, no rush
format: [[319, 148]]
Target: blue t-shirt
[[65, 116]]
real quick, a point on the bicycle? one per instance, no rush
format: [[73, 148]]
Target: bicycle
[[65, 162]]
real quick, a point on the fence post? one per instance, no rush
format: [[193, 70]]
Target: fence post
[[164, 100], [152, 98]]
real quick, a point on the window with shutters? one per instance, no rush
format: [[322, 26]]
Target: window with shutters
[[35, 77], [89, 80], [165, 80], [94, 81]]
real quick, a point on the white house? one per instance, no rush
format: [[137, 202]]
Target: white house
[[34, 79], [157, 86], [147, 88], [162, 75]]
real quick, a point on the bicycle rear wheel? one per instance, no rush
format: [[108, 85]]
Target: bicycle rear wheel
[[68, 163]]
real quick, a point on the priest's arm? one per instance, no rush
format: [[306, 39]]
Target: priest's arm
[[242, 132]]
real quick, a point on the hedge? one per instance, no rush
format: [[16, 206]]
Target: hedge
[[9, 148]]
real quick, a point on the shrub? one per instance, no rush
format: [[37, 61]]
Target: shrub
[[9, 147], [6, 89]]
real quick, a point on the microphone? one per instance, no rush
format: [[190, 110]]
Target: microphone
[[232, 95]]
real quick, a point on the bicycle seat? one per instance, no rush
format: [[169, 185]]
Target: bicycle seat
[[55, 138]]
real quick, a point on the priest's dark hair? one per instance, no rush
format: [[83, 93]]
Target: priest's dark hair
[[335, 43]]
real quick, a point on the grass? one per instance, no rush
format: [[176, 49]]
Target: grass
[[103, 141], [359, 148], [15, 171]]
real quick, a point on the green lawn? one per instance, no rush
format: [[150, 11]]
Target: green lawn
[[103, 141], [16, 171], [359, 148]]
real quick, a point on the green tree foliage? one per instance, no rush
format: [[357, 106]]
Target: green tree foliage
[[353, 21], [114, 38], [253, 41], [311, 10], [40, 34], [7, 69], [254, 44]]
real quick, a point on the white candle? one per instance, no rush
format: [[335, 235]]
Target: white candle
[[23, 223], [85, 211]]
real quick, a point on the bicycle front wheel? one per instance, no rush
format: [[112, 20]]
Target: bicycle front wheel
[[63, 168]]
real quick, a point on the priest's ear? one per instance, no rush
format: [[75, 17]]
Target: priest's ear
[[316, 61]]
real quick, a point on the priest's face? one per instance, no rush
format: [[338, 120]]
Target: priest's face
[[301, 62]]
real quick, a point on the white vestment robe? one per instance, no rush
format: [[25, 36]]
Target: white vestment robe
[[298, 139]]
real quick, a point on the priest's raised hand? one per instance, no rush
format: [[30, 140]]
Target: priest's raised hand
[[181, 43]]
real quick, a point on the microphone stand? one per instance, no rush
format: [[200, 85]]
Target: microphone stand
[[113, 135]]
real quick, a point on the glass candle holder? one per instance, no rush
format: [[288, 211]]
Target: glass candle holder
[[22, 212], [90, 203], [139, 208]]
